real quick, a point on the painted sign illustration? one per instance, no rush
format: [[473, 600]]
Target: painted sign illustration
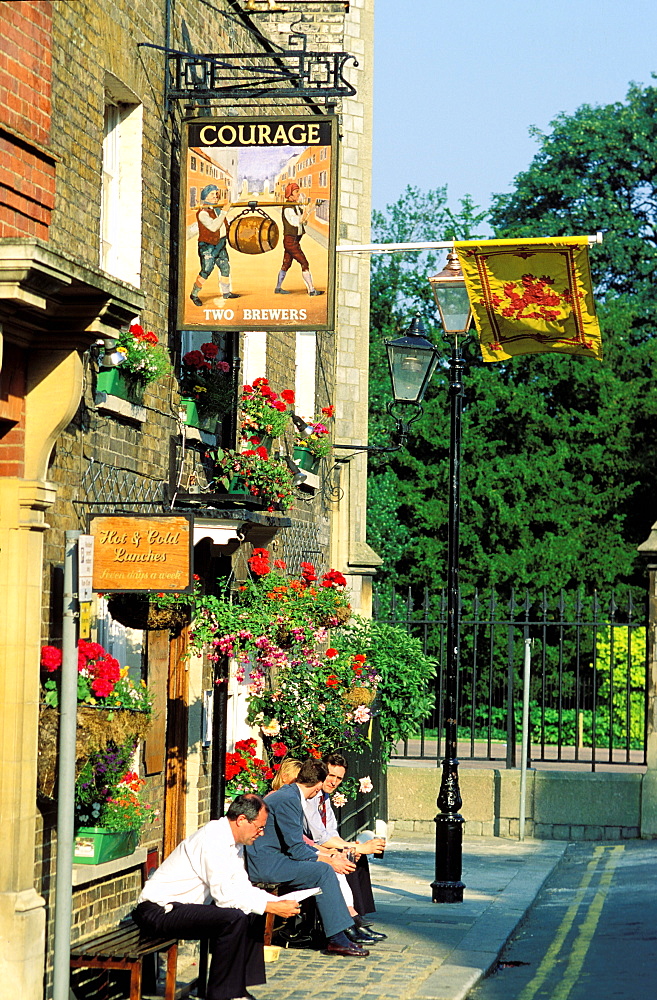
[[257, 227]]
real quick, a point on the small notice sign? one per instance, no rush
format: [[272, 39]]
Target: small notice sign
[[134, 553]]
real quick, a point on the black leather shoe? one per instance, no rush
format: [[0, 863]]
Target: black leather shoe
[[354, 950], [360, 935], [372, 934]]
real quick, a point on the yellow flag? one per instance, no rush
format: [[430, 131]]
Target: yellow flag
[[530, 296]]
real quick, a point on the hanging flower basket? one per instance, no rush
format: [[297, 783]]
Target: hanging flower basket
[[137, 611], [359, 696], [342, 613], [96, 727]]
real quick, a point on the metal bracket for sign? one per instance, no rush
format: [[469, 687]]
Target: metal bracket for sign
[[289, 73]]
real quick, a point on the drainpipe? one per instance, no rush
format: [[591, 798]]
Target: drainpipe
[[68, 710]]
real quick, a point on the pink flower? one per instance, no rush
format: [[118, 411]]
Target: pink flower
[[365, 784], [362, 714]]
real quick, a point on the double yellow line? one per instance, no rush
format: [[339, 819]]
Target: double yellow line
[[587, 928]]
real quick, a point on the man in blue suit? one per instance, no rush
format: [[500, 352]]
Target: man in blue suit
[[282, 855]]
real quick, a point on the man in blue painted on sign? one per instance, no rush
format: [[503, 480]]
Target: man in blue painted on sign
[[212, 238]]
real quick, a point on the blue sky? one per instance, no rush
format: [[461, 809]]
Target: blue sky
[[458, 85]]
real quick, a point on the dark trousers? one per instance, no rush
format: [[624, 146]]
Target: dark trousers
[[235, 941], [361, 886]]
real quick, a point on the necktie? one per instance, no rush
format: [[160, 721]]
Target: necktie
[[322, 808]]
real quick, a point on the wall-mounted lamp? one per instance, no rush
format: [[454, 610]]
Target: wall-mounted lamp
[[111, 358], [301, 424], [298, 477], [412, 360]]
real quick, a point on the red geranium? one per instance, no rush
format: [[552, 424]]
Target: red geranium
[[259, 562], [331, 653], [308, 574], [278, 749], [51, 658], [332, 681], [193, 359]]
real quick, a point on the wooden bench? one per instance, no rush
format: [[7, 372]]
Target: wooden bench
[[125, 948]]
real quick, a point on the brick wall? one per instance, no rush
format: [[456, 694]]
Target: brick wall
[[27, 165], [12, 411]]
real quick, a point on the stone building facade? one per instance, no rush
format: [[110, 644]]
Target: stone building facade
[[76, 78]]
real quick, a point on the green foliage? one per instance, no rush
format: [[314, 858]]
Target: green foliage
[[621, 665], [405, 695], [558, 476], [595, 170]]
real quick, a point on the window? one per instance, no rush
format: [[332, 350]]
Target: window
[[192, 197], [323, 178], [192, 163], [120, 209]]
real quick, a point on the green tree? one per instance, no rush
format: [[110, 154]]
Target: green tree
[[595, 170], [558, 472]]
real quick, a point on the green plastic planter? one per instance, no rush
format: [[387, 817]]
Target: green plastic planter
[[94, 845], [306, 460], [114, 383]]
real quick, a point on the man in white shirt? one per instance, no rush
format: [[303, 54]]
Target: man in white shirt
[[202, 890], [321, 826], [294, 226]]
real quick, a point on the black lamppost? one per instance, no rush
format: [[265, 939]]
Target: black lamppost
[[454, 309]]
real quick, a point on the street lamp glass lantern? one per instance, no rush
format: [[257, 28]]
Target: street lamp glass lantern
[[412, 360], [451, 297]]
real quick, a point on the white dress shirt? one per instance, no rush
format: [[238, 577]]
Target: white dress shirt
[[313, 821], [207, 866]]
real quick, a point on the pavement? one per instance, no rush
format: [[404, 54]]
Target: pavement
[[434, 951]]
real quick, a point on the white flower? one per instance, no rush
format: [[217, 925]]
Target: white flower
[[272, 728], [338, 799], [362, 714], [365, 784]]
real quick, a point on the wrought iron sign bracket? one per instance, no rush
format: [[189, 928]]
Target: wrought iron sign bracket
[[286, 73]]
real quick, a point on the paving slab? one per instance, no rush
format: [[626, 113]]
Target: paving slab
[[434, 951]]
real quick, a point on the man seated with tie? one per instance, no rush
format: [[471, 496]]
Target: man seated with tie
[[282, 855], [321, 826]]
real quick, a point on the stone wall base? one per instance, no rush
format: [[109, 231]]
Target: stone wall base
[[560, 805]]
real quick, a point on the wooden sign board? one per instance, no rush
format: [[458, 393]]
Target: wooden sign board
[[134, 553]]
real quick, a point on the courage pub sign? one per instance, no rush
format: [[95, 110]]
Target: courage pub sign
[[258, 213]]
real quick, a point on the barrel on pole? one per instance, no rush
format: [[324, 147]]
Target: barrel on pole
[[253, 233]]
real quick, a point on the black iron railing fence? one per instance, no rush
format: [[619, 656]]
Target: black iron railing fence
[[588, 676], [361, 813]]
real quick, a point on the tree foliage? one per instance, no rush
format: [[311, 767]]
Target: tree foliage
[[558, 474], [596, 170]]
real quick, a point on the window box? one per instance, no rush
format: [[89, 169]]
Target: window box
[[112, 382], [95, 845]]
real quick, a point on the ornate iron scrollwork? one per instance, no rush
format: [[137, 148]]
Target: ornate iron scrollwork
[[291, 72]]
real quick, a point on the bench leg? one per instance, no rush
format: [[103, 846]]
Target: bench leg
[[135, 981], [172, 964], [269, 929]]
